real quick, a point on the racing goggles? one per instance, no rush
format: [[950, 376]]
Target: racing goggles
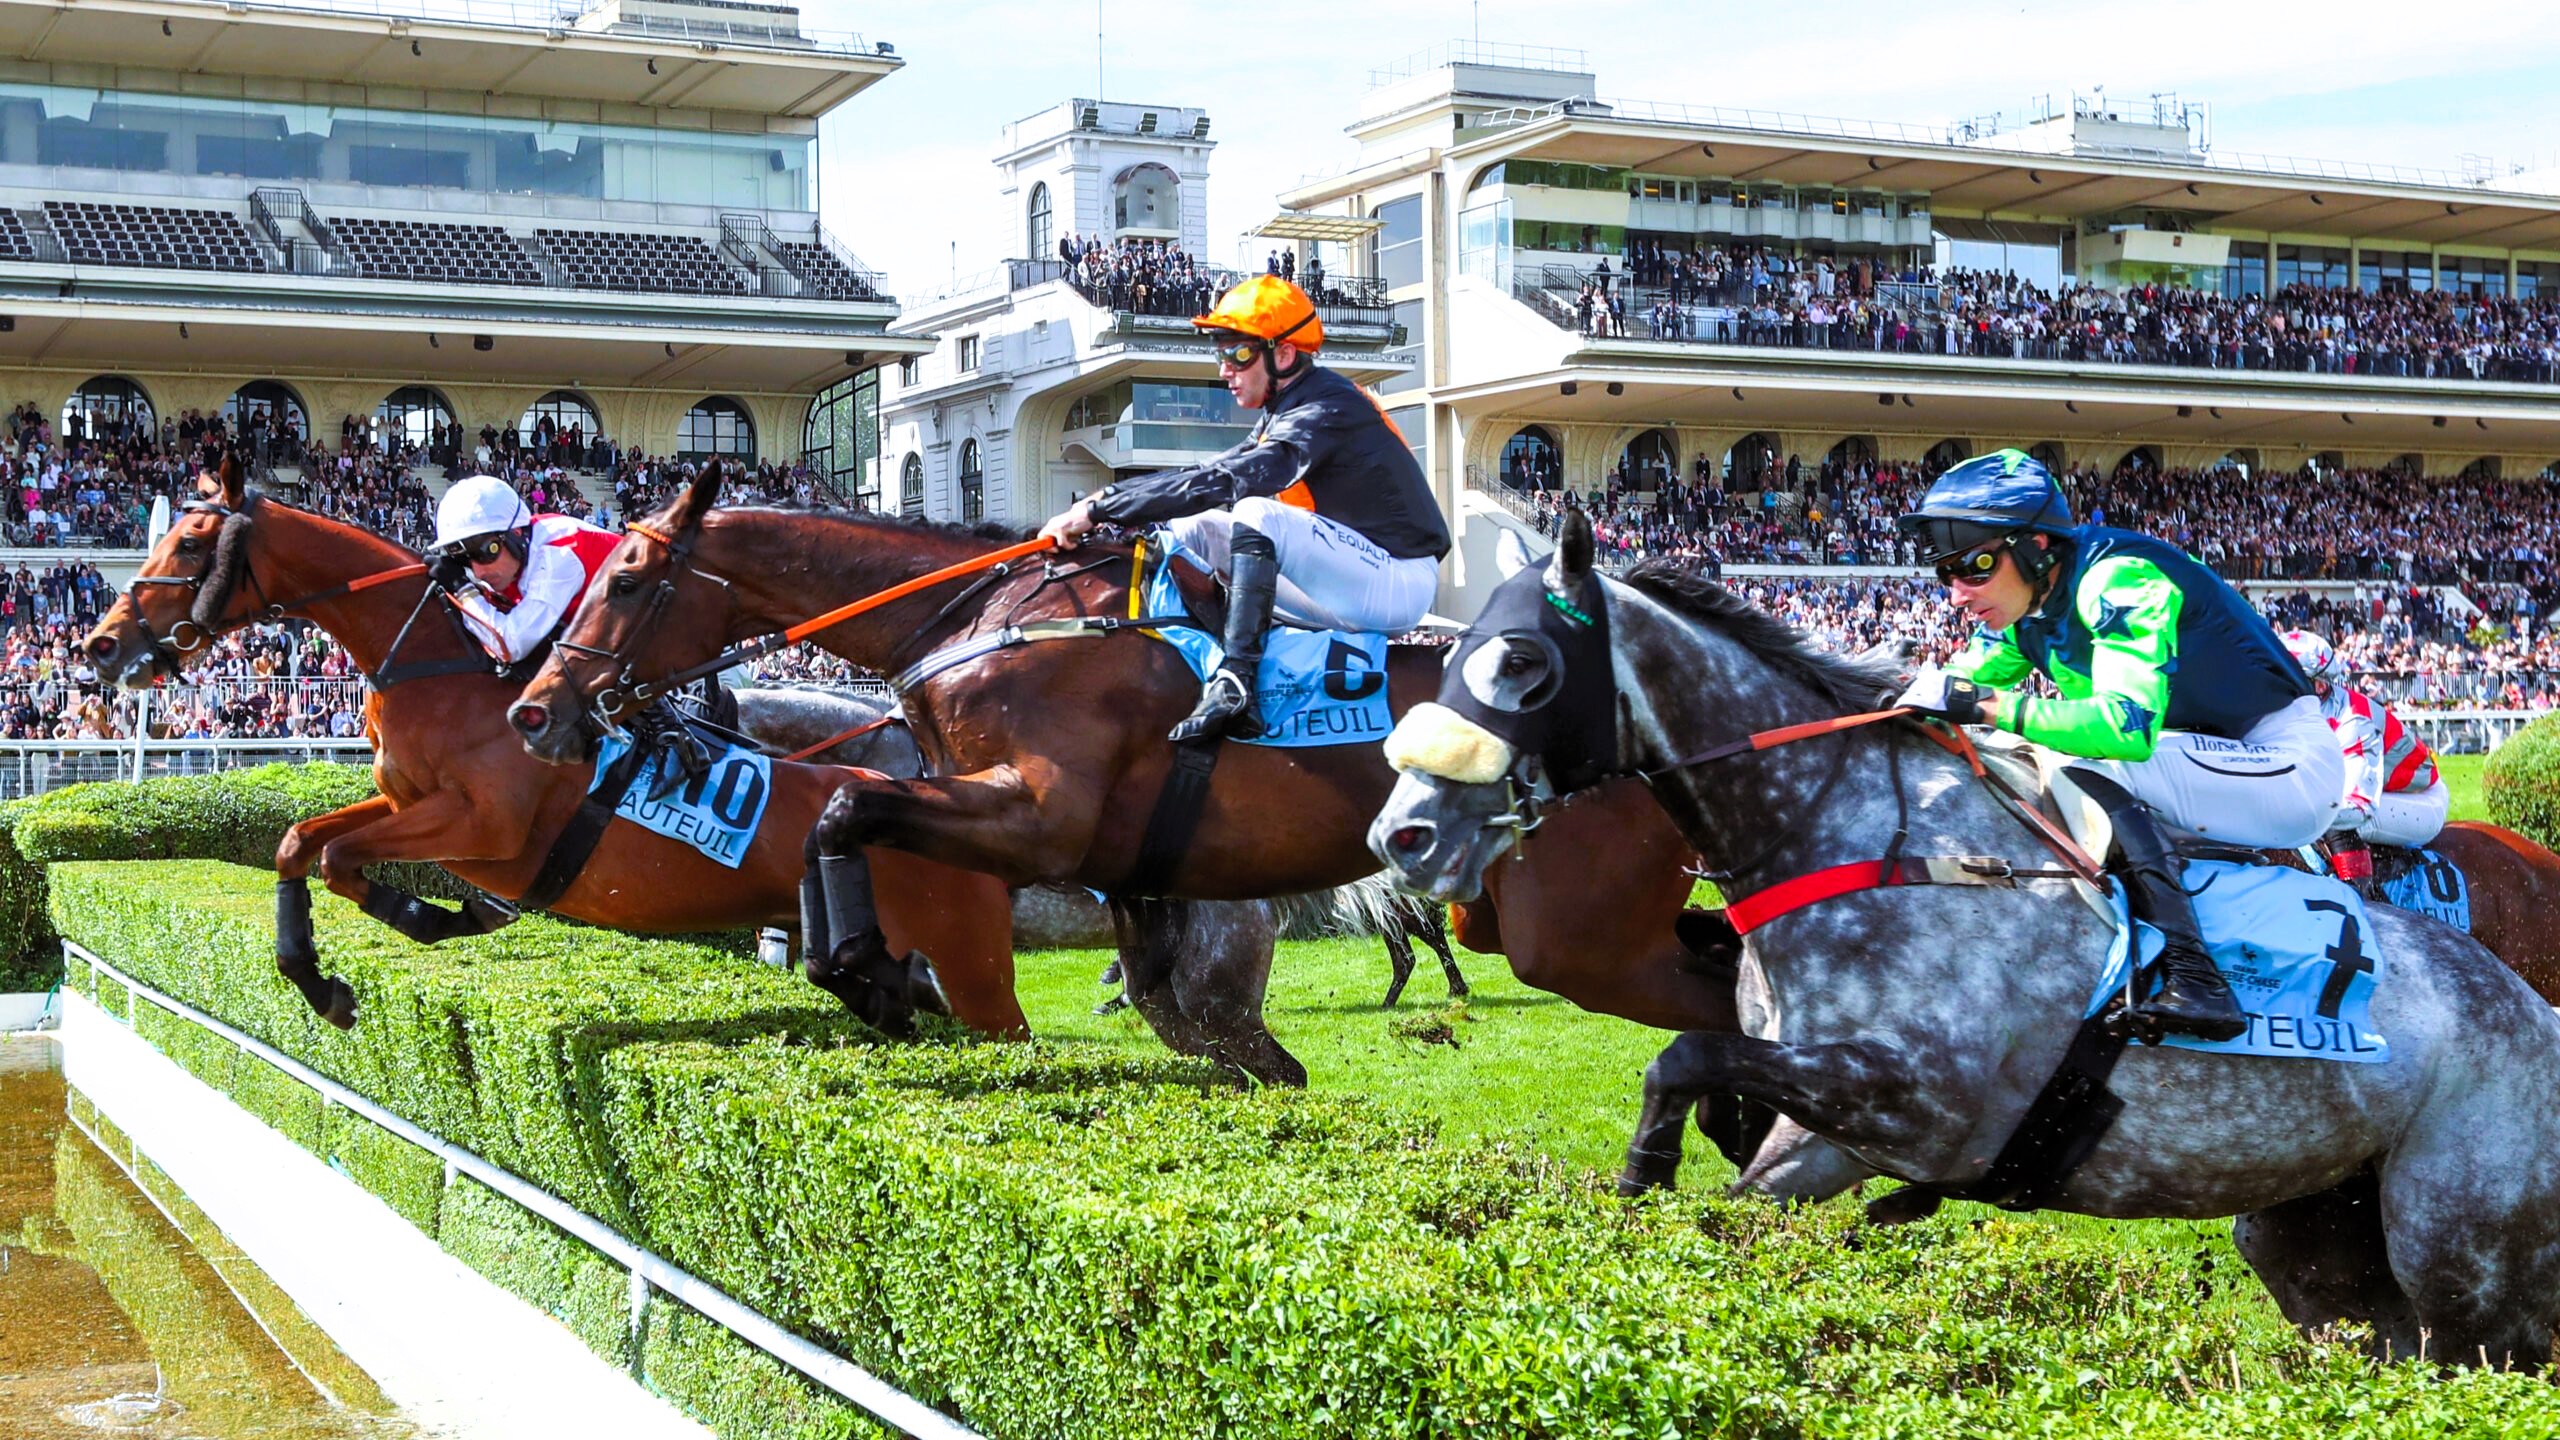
[[1239, 351], [481, 549], [1973, 566]]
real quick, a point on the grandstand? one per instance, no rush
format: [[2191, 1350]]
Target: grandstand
[[1628, 296], [605, 218]]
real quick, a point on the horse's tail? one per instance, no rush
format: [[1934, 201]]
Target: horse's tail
[[1363, 907]]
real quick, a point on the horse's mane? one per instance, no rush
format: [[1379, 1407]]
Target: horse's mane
[[993, 530], [1846, 682]]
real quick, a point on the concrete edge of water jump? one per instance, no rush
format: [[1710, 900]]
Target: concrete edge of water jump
[[29, 1010], [459, 1355]]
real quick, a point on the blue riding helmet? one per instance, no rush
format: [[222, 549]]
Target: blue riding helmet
[[2006, 494]]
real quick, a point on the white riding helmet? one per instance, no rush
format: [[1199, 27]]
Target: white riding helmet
[[478, 505], [2316, 656]]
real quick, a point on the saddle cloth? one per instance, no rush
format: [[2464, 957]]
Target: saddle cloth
[[716, 812], [1314, 687], [2434, 887], [2297, 949]]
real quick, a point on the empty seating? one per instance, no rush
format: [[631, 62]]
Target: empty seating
[[434, 252], [15, 243], [828, 277], [631, 260], [157, 236]]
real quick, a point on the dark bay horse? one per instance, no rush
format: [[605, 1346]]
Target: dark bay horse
[[1048, 757], [458, 789], [1912, 1025]]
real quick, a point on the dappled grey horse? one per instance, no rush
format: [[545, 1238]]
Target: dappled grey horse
[[1911, 1027]]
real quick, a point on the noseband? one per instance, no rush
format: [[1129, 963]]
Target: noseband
[[214, 585], [627, 692]]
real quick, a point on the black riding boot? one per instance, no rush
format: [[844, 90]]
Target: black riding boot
[[1226, 700], [2193, 998], [662, 726]]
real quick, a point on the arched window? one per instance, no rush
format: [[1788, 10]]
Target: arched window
[[841, 440], [1752, 463], [717, 426], [1041, 238], [267, 404], [973, 484], [1532, 460], [2142, 459], [110, 407], [413, 414], [2050, 452], [2484, 468], [1651, 461], [1947, 453], [1146, 199], [911, 487], [563, 408], [1855, 451]]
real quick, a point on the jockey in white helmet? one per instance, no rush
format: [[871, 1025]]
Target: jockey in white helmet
[[2394, 795], [516, 577]]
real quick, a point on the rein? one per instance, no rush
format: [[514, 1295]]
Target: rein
[[263, 612], [627, 690]]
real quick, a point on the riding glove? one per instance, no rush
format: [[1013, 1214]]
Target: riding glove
[[1935, 692], [449, 572]]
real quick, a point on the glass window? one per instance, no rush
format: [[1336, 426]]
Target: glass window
[[1484, 244], [412, 413], [1532, 460], [1039, 238], [563, 408], [2245, 272], [1399, 242], [911, 487], [964, 354], [2536, 279], [1408, 422], [717, 426], [265, 405], [841, 441], [2319, 266], [1166, 415], [288, 139], [1407, 313], [110, 405], [973, 484], [908, 370]]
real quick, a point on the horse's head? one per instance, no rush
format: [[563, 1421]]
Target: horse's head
[[188, 592], [645, 618], [1526, 714]]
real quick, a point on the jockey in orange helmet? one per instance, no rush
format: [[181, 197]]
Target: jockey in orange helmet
[[1323, 516]]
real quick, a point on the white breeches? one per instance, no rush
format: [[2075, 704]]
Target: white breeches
[[1331, 576], [2408, 817], [2273, 789]]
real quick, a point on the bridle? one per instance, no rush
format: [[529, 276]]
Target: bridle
[[197, 631], [627, 691]]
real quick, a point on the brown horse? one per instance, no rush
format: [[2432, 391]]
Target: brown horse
[[2515, 893], [458, 789], [1048, 757]]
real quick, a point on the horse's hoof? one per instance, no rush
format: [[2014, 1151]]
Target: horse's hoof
[[924, 988], [1110, 974], [1903, 1206], [342, 1006], [1647, 1173]]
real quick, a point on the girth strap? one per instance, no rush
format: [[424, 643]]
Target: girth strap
[[578, 839], [1175, 819], [2069, 1116]]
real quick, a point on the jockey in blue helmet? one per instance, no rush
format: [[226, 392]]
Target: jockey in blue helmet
[[2176, 693]]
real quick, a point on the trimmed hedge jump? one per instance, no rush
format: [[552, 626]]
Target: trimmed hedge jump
[[1054, 1241]]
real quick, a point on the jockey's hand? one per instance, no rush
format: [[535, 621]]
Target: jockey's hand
[[1935, 692], [449, 572], [1069, 525]]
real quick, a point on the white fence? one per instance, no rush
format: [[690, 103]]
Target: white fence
[[32, 767]]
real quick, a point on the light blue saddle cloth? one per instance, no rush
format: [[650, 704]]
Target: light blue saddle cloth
[[716, 812], [2435, 888], [1315, 687], [2297, 949]]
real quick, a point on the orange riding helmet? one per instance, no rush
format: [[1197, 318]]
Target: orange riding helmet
[[1268, 309]]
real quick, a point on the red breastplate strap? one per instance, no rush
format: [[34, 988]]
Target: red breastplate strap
[[1787, 896]]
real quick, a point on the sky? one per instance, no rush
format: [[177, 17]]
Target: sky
[[907, 180]]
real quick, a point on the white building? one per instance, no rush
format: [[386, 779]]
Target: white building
[[1041, 387]]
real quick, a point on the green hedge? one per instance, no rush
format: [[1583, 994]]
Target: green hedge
[[2521, 782], [1065, 1242], [239, 816]]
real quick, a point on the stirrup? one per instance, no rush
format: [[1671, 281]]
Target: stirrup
[[1225, 708]]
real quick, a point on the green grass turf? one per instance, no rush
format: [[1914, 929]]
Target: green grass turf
[[1520, 1065]]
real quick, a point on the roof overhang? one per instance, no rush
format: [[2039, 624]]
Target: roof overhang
[[420, 52], [1303, 225], [1974, 181]]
